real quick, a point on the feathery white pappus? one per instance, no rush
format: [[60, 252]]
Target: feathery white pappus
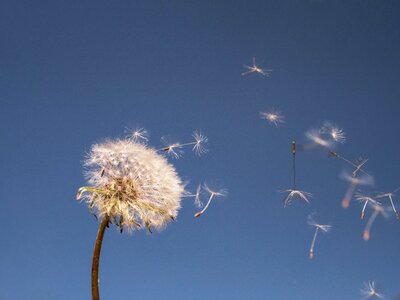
[[132, 184]]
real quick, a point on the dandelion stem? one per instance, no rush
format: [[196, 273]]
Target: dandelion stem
[[294, 164], [96, 258]]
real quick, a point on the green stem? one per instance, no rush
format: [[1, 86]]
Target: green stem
[[96, 258]]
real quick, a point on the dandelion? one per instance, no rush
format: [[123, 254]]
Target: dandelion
[[366, 200], [213, 193], [369, 291], [354, 182], [377, 209], [176, 151], [323, 228], [256, 69], [131, 186], [137, 135], [295, 194], [390, 196], [273, 117]]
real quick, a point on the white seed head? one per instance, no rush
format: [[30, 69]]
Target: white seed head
[[131, 184]]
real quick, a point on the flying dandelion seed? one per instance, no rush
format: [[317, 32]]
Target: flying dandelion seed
[[198, 144], [318, 139], [358, 165], [213, 193], [335, 133], [175, 149], [131, 186], [323, 228], [390, 196], [273, 117], [256, 69], [295, 194], [354, 182], [369, 291], [366, 199], [197, 201], [137, 135], [377, 209]]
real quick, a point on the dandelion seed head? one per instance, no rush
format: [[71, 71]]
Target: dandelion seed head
[[197, 200], [273, 117], [132, 184]]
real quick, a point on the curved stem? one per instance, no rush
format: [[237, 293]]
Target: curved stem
[[96, 258]]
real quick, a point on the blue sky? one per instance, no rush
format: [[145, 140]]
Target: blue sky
[[73, 73]]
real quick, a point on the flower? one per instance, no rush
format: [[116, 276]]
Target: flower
[[131, 184]]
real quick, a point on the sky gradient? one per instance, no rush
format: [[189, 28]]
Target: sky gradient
[[73, 73]]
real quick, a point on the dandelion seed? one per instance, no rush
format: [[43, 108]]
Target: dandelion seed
[[176, 151], [172, 149], [333, 132], [354, 182], [197, 201], [213, 193], [323, 228], [138, 135], [200, 141], [358, 165], [366, 200], [256, 69], [295, 194], [377, 209], [390, 196], [315, 136], [273, 117], [369, 291]]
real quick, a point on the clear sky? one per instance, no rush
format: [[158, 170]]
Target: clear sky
[[75, 72]]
